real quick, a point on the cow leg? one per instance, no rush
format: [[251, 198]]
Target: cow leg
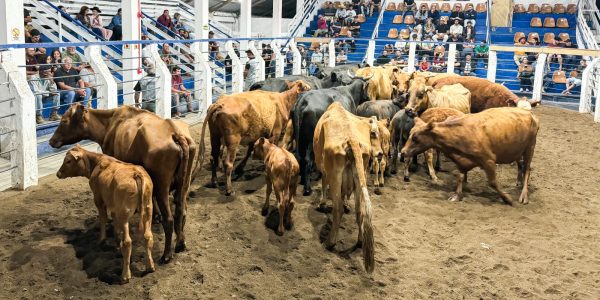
[[394, 167], [520, 170], [125, 247], [103, 217], [324, 194], [382, 166], [307, 171], [265, 209], [149, 238], [289, 223], [281, 207], [438, 161], [239, 170], [429, 158], [162, 198], [376, 169], [232, 147], [335, 188], [407, 169], [458, 195], [524, 198], [156, 214], [415, 164], [490, 171], [215, 153], [180, 210]]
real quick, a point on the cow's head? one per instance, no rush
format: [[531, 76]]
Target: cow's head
[[399, 99], [376, 149], [261, 148], [364, 95], [299, 86], [418, 97], [421, 138], [73, 127], [400, 80], [74, 164]]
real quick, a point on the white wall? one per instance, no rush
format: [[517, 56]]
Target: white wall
[[261, 27]]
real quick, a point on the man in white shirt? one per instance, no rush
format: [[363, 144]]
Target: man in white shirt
[[251, 70], [316, 60], [456, 29]]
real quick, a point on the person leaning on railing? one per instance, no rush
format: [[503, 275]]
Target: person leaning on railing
[[70, 84], [45, 89]]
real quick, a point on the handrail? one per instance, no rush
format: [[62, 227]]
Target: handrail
[[162, 27], [583, 30], [379, 19], [307, 13], [488, 22], [74, 21]]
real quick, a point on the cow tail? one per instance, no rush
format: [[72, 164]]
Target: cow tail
[[365, 203], [184, 177], [202, 147], [139, 180]]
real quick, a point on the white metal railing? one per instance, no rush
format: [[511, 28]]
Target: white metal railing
[[379, 19], [589, 11], [590, 87], [585, 36], [299, 23]]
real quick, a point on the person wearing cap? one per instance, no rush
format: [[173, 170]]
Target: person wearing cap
[[146, 88], [178, 91], [96, 24], [70, 84], [251, 70], [45, 89], [116, 25]]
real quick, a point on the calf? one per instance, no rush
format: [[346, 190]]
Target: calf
[[400, 127], [494, 136], [281, 171], [120, 188], [382, 109]]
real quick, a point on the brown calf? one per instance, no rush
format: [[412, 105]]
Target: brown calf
[[119, 188], [281, 171]]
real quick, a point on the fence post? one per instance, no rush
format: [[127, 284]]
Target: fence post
[[451, 58], [412, 51], [492, 65], [163, 84], [258, 57], [331, 49], [237, 69], [538, 82], [202, 79], [371, 53], [107, 89], [24, 156], [279, 59], [585, 99], [297, 60]]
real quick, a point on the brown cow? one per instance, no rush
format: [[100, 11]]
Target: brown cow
[[120, 188], [384, 81], [484, 94], [140, 137], [281, 171], [243, 118], [341, 154], [436, 114], [494, 136]]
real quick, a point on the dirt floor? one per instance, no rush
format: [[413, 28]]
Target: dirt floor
[[426, 247]]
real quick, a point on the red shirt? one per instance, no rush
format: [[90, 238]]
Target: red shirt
[[176, 82], [322, 24]]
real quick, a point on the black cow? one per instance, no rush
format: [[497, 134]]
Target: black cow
[[382, 109], [280, 84], [400, 127], [308, 110]]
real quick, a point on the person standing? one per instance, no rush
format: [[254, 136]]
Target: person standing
[[146, 88], [251, 70]]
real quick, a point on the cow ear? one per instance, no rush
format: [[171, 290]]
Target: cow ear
[[76, 154], [334, 77], [395, 70]]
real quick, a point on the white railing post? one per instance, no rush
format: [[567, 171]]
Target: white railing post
[[492, 65], [371, 53], [202, 79], [412, 51], [331, 49], [163, 84], [237, 69], [585, 99], [297, 60], [258, 57], [451, 58], [24, 143], [538, 82], [279, 59], [107, 86]]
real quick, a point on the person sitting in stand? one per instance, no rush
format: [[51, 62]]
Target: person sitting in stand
[[354, 27], [146, 87], [341, 58], [89, 81], [116, 25], [573, 81], [434, 14], [429, 28], [84, 16], [409, 5], [166, 55], [322, 27], [534, 42], [329, 11], [350, 15], [97, 24], [468, 48], [424, 64], [70, 84], [76, 59], [518, 56], [552, 57], [422, 15], [361, 8], [457, 14], [45, 89], [481, 52], [178, 91], [426, 46], [316, 62], [376, 4], [165, 20], [441, 32], [336, 26], [383, 58], [470, 14], [469, 31], [340, 14], [456, 28], [438, 62], [467, 66], [525, 72]]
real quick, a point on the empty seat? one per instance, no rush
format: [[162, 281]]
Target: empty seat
[[393, 33], [391, 6], [549, 22], [518, 8], [559, 76], [481, 7], [446, 7], [533, 35], [535, 22], [361, 18], [562, 23], [559, 8], [548, 37], [546, 9], [518, 36], [533, 8], [564, 36], [401, 7], [571, 9], [397, 19], [405, 33], [409, 20]]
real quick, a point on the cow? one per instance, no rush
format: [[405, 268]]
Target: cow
[[243, 118], [383, 80], [399, 128], [430, 78], [281, 84], [422, 97], [342, 150], [163, 147], [307, 111], [484, 94], [281, 172], [380, 150], [382, 109], [494, 136], [437, 114], [120, 188]]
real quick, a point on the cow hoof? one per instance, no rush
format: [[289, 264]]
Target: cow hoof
[[124, 281], [289, 226], [330, 248], [455, 198], [180, 247], [394, 172], [192, 194], [156, 218], [413, 168], [307, 192], [377, 191], [229, 193], [211, 185], [165, 260], [324, 209], [150, 269], [438, 169], [406, 179], [264, 211], [279, 233], [346, 209]]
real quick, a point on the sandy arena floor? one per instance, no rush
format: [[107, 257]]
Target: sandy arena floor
[[426, 247]]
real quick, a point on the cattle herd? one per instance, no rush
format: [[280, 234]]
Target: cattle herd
[[336, 126]]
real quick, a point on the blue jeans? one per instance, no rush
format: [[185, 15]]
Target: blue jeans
[[39, 102], [68, 96]]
